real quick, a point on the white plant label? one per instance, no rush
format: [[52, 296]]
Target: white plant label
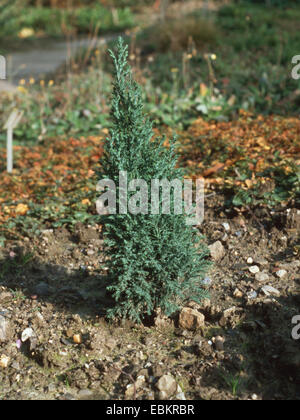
[[11, 124], [2, 67]]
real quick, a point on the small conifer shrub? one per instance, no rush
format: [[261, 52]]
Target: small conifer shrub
[[153, 260]]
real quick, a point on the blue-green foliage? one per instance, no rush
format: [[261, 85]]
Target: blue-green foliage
[[153, 260]]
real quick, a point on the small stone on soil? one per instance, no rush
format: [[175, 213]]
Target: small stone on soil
[[217, 251], [191, 319], [26, 334], [261, 277], [254, 269], [219, 343], [77, 338], [237, 294], [226, 227], [84, 393], [261, 261], [167, 385], [4, 361], [281, 273], [269, 290], [252, 295], [180, 394], [228, 312]]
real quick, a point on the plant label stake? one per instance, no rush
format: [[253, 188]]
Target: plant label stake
[[11, 124], [2, 68]]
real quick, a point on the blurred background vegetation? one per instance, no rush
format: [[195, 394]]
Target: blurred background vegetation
[[194, 58], [208, 59]]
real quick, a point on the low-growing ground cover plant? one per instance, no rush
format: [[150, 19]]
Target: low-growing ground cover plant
[[239, 158]]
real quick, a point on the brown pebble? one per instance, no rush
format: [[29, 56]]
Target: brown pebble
[[4, 361], [77, 338], [69, 333], [219, 343]]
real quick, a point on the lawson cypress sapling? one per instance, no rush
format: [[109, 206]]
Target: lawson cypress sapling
[[153, 260]]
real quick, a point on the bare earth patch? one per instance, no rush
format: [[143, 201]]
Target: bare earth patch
[[56, 344]]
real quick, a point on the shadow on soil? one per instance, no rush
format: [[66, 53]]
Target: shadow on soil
[[260, 355], [264, 358], [78, 292]]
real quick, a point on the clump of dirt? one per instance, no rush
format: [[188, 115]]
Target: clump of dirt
[[55, 342]]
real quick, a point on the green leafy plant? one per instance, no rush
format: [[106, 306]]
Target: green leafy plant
[[14, 265], [232, 381], [8, 16], [153, 261], [56, 22], [280, 187]]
